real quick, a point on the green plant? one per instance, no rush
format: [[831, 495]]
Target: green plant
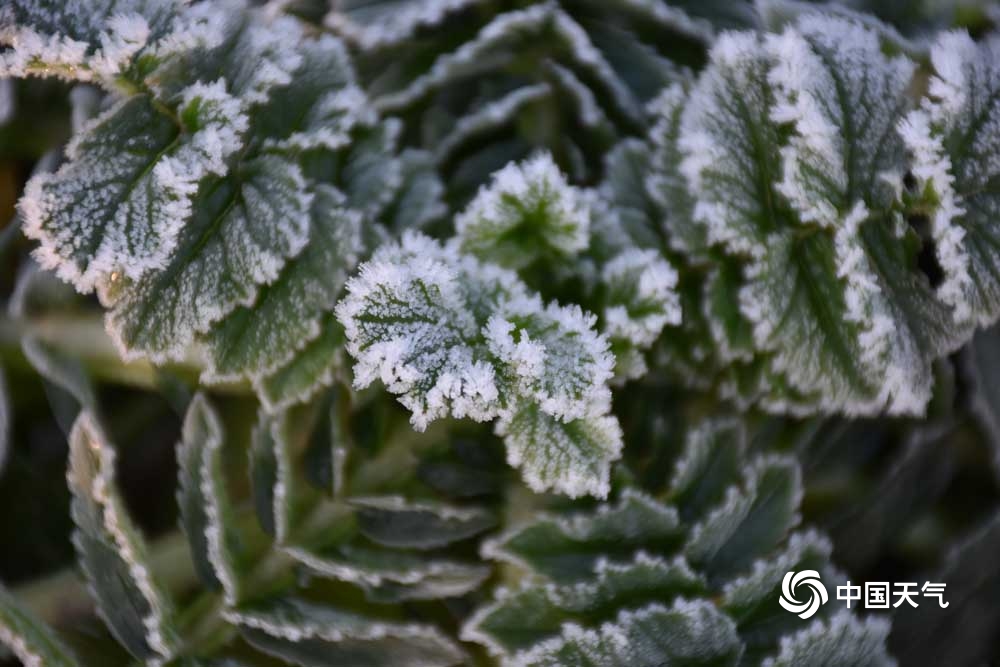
[[628, 268]]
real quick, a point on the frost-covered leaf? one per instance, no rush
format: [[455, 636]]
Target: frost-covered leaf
[[528, 213], [312, 368], [393, 522], [313, 635], [566, 549], [202, 434], [712, 457], [691, 633], [534, 613], [112, 552], [954, 139], [420, 199], [750, 599], [371, 24], [794, 172], [242, 233], [749, 523], [277, 445], [394, 576], [286, 316], [640, 301], [31, 641], [78, 39], [453, 336], [636, 581], [843, 640], [574, 456]]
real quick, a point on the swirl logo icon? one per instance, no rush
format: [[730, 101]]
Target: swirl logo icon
[[806, 579]]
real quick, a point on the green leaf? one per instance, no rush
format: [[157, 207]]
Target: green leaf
[[689, 633], [393, 522], [112, 552], [751, 521], [528, 213], [567, 549], [393, 576], [953, 139], [257, 340], [713, 454], [32, 642], [522, 618], [843, 640], [201, 434], [573, 456], [453, 336], [243, 232], [313, 635], [312, 368], [86, 238]]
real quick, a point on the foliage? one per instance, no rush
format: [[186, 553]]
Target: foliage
[[497, 333]]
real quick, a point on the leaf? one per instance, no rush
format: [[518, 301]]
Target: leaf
[[312, 368], [230, 247], [522, 618], [111, 551], [312, 635], [393, 522], [952, 139], [201, 434], [639, 303], [259, 339], [749, 600], [750, 522], [452, 336], [528, 213], [572, 456], [686, 633], [393, 576], [78, 40], [857, 192], [420, 199], [32, 642], [567, 548], [713, 454], [375, 24], [843, 640]]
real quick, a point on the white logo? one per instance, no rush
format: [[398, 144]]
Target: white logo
[[817, 593]]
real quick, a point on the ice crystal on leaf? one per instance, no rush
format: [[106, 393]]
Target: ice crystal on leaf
[[452, 336]]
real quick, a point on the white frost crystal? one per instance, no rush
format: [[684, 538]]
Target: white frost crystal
[[452, 336]]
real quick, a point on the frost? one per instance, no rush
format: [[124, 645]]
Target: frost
[[452, 336], [527, 213]]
